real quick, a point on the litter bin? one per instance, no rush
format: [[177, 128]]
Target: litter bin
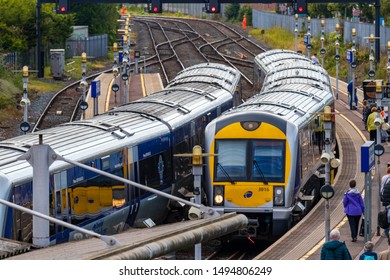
[[57, 63]]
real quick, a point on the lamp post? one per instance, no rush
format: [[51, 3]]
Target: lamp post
[[353, 66], [337, 58], [322, 41], [115, 72], [326, 190], [83, 83], [296, 32], [25, 102], [308, 46]]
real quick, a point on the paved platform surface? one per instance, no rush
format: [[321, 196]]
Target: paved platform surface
[[139, 86], [357, 248]]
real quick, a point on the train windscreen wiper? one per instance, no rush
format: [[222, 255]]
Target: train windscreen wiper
[[224, 172], [257, 166]]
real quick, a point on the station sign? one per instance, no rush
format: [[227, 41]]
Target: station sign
[[350, 57], [367, 153], [95, 88], [306, 39]]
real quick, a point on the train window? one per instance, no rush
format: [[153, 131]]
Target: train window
[[231, 164], [155, 171], [268, 160]]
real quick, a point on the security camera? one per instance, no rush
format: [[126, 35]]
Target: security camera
[[125, 60], [325, 158], [24, 102], [83, 84], [115, 71], [337, 44], [371, 58], [335, 162], [377, 122], [385, 126], [194, 213], [322, 38]]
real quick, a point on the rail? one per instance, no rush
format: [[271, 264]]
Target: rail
[[109, 240]]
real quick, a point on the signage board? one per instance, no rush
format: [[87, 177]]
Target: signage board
[[95, 88], [367, 153]]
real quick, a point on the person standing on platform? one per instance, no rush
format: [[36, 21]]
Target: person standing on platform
[[370, 124], [335, 249], [384, 255], [353, 98], [354, 208], [385, 196], [314, 59], [369, 254]]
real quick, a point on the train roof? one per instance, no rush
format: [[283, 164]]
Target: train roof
[[194, 92], [273, 58], [298, 72], [292, 91]]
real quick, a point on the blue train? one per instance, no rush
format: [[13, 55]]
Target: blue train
[[136, 141]]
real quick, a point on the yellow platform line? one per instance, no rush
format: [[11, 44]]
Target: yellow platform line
[[144, 93]]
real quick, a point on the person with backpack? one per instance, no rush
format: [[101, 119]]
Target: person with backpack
[[368, 254], [334, 249], [385, 198], [354, 208]]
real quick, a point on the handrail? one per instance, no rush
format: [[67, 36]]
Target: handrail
[[109, 240]]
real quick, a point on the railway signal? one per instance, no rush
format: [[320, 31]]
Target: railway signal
[[63, 7], [155, 6], [213, 7], [301, 7]]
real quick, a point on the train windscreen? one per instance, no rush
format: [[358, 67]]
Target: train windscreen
[[256, 160]]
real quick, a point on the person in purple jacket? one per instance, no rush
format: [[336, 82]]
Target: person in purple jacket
[[354, 208]]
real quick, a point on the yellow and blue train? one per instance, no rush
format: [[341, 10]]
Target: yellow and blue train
[[269, 148]]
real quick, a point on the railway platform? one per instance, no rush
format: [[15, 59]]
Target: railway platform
[[140, 85], [142, 244], [305, 240]]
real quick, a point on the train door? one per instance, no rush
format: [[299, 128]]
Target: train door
[[130, 167], [60, 201]]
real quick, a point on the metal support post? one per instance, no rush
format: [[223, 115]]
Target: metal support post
[[308, 46], [25, 102], [296, 32], [84, 83], [322, 42], [367, 165], [197, 172], [327, 128], [353, 65], [40, 157], [337, 58]]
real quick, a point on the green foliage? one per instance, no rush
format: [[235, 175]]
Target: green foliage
[[232, 11], [276, 37], [101, 18], [247, 11]]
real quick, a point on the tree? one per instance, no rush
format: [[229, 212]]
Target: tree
[[100, 18], [231, 11]]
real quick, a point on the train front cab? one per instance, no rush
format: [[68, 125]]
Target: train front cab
[[249, 176]]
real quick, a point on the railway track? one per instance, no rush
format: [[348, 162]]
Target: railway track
[[173, 44]]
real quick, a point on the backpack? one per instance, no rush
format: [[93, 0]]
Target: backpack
[[350, 87], [367, 257], [382, 219]]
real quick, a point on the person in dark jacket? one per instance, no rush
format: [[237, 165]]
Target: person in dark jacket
[[354, 208], [368, 254], [335, 249]]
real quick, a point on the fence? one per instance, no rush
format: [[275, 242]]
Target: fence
[[266, 20], [94, 46]]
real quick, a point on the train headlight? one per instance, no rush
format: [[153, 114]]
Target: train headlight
[[278, 196], [218, 195], [250, 126]]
